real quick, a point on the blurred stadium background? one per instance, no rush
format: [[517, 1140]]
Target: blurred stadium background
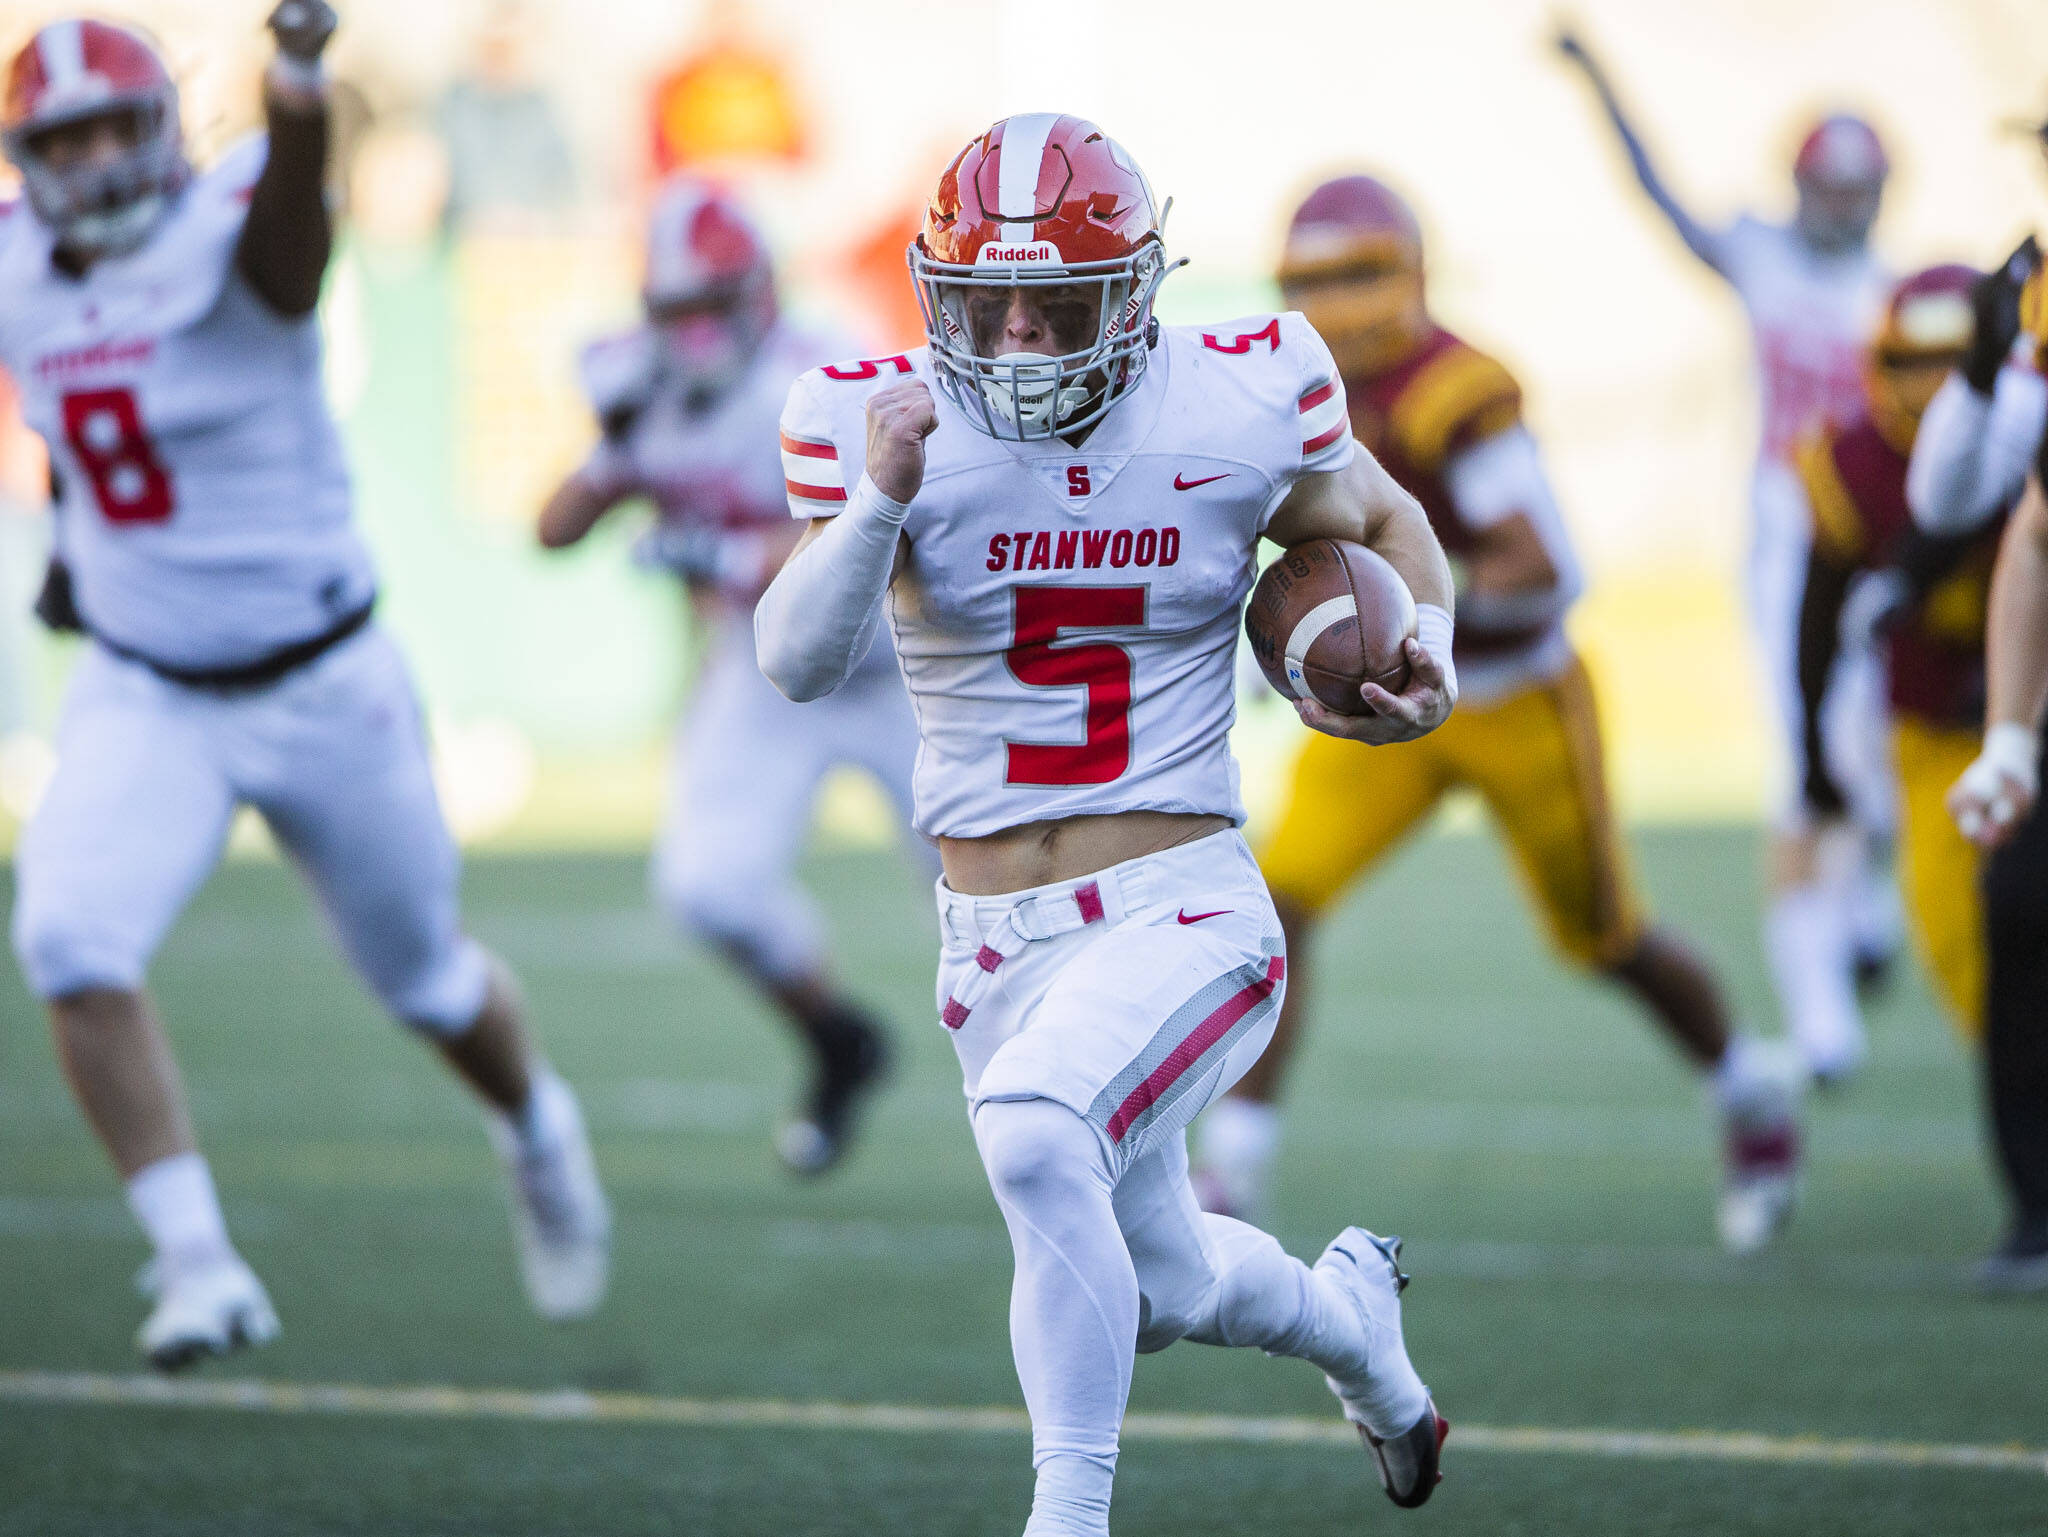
[[498, 154], [1551, 1167]]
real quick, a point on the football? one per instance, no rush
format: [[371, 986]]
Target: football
[[1327, 616]]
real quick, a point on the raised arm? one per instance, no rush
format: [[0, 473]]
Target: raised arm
[[1700, 240], [288, 234], [817, 619], [1971, 454], [1364, 504]]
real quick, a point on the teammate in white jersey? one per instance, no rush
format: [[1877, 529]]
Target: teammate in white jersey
[[1059, 502], [688, 403], [161, 324], [1814, 292]]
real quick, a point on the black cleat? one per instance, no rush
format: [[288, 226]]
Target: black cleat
[[850, 1061]]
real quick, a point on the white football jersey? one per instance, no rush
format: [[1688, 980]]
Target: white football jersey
[[1067, 621], [709, 464], [1811, 316], [205, 508]]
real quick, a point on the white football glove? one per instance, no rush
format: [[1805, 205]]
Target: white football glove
[[620, 375], [1997, 792]]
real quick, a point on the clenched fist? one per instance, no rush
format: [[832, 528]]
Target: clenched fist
[[302, 28], [900, 418]]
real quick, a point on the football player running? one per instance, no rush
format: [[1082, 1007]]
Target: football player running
[[1059, 503], [1813, 290], [1445, 420], [688, 404], [161, 322]]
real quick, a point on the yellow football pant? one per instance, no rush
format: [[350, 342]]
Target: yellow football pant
[[1534, 757], [1938, 868]]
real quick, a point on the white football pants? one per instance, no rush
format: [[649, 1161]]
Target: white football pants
[[1093, 1019], [745, 771], [149, 774]]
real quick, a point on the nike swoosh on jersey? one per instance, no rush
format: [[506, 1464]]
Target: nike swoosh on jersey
[[1189, 485], [1186, 917]]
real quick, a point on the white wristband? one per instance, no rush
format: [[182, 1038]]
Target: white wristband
[[2015, 751], [1433, 632]]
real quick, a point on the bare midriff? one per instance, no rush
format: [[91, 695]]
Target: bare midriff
[[1040, 853]]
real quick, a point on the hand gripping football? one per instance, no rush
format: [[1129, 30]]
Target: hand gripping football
[[1327, 616]]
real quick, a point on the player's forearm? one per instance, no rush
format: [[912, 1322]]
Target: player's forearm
[[2017, 628], [579, 503], [1398, 531], [288, 235], [817, 619], [1970, 455]]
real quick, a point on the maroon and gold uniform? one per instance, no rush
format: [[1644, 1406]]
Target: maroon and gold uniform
[[1855, 480], [1445, 419]]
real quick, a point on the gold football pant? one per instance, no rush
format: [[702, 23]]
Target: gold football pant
[[1534, 757], [1938, 868]]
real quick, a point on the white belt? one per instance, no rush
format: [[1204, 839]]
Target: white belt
[[1003, 926]]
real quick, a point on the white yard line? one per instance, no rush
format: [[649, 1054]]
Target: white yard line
[[254, 1395]]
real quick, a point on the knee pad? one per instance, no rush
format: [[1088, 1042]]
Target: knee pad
[[1037, 1152], [443, 994], [63, 952]]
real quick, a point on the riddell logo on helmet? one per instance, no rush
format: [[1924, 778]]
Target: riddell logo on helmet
[[1037, 252]]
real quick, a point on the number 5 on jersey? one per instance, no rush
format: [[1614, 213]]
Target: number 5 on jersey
[[104, 429], [1100, 668]]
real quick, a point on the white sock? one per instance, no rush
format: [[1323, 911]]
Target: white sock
[[174, 1200], [1072, 1497], [534, 1123], [1267, 1298], [1754, 1078], [1238, 1138], [1809, 938]]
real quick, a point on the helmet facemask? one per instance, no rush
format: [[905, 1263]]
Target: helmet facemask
[[102, 178], [709, 337], [1094, 318]]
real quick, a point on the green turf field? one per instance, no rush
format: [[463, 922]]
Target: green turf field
[[1548, 1161]]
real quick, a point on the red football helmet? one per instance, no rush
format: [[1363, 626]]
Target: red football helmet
[[1927, 327], [1047, 212], [73, 72], [1353, 265], [710, 285], [1839, 173]]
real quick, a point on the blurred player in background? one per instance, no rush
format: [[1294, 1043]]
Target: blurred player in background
[[1927, 594], [1813, 290], [688, 403], [1984, 435], [1059, 502], [161, 322], [1446, 421]]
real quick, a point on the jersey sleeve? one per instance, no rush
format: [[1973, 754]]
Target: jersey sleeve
[[1461, 397], [813, 473], [1324, 414]]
